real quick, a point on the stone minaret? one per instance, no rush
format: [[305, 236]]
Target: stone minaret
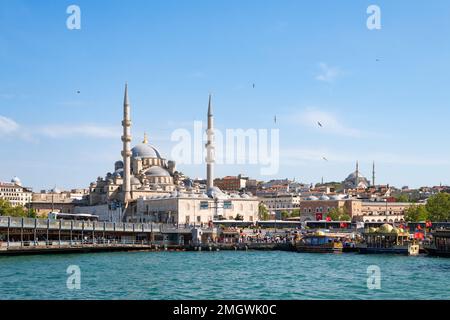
[[210, 157], [126, 152], [373, 174], [357, 174]]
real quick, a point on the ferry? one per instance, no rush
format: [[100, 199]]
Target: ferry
[[387, 239], [441, 243], [319, 242]]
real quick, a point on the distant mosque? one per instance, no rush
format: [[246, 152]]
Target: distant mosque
[[357, 181]]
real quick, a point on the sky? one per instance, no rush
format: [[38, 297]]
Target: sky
[[380, 95]]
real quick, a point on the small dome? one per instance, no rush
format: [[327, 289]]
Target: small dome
[[312, 198], [16, 180], [386, 228], [324, 198], [135, 181]]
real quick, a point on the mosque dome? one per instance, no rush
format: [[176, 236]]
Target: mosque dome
[[156, 171], [145, 150], [16, 180]]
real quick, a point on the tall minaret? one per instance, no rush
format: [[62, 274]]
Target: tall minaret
[[357, 174], [373, 174], [126, 152], [210, 157]]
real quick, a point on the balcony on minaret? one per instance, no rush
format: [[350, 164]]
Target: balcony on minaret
[[126, 138], [126, 123], [126, 153]]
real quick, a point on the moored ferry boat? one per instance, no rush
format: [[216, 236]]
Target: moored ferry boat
[[441, 243], [387, 239], [319, 242]]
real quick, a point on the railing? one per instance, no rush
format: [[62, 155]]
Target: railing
[[31, 223]]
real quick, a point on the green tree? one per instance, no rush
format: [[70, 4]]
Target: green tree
[[402, 198], [6, 209], [284, 214], [295, 213], [338, 214], [438, 207], [263, 212], [416, 214]]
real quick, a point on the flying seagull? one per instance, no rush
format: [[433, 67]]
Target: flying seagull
[[319, 124], [253, 86], [324, 158], [78, 91]]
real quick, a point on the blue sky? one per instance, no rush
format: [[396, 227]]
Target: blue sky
[[381, 95]]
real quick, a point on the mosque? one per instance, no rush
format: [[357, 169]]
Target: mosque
[[357, 181], [146, 187]]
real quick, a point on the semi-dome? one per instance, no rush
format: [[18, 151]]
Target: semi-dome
[[135, 181], [156, 171]]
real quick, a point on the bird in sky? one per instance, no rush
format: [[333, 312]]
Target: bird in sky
[[78, 91], [253, 86], [320, 125], [275, 119], [324, 158]]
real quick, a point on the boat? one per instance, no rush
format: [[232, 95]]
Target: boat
[[387, 239], [319, 242], [440, 245]]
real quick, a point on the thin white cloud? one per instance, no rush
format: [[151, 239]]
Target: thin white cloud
[[80, 130], [328, 73], [306, 156], [330, 122], [8, 126]]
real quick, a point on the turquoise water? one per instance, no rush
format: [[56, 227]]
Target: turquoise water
[[223, 275]]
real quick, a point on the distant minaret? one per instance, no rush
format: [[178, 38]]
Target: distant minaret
[[373, 174], [126, 152], [210, 159], [357, 174]]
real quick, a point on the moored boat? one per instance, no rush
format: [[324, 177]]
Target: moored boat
[[319, 242], [387, 239], [440, 245]]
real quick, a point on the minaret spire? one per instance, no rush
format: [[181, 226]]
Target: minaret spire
[[126, 152], [210, 157], [357, 174], [373, 174]]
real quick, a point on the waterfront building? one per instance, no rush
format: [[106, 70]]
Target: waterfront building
[[281, 202], [55, 200], [231, 183], [377, 211], [317, 208], [15, 193]]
